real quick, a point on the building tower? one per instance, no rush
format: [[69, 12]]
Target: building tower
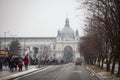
[[66, 43]]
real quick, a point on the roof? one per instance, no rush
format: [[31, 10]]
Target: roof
[[67, 30]]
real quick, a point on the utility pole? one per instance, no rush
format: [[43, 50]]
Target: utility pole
[[0, 63], [5, 40], [0, 46], [24, 47]]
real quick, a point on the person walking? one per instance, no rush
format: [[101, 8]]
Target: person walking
[[20, 64], [26, 61], [12, 64], [16, 60]]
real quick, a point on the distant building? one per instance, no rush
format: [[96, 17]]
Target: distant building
[[64, 46]]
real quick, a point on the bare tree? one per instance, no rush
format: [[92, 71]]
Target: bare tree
[[15, 48], [104, 29]]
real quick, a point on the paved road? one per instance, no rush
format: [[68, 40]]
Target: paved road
[[60, 72]]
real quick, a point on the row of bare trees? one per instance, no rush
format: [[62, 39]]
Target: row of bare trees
[[102, 39]]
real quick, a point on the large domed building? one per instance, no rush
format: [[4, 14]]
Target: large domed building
[[63, 46], [67, 31], [67, 43]]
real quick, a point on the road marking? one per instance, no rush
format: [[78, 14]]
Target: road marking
[[76, 71], [64, 71], [60, 74], [40, 71]]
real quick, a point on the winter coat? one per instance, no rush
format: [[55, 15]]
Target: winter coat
[[26, 60], [20, 64]]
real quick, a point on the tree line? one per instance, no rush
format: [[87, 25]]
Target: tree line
[[102, 34]]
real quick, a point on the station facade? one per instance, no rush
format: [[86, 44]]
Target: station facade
[[63, 46]]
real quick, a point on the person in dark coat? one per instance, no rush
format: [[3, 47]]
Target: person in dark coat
[[12, 64], [16, 60]]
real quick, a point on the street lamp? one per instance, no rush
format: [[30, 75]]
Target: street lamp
[[24, 47], [5, 39], [5, 34], [0, 46]]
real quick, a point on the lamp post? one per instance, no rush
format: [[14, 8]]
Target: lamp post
[[5, 40], [0, 45], [24, 47]]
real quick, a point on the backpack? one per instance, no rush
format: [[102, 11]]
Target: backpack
[[20, 64]]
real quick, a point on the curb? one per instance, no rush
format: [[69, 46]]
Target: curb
[[11, 77], [27, 73], [94, 74]]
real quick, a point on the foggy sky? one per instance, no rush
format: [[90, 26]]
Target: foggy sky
[[39, 18]]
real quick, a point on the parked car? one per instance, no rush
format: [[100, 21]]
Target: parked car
[[78, 63]]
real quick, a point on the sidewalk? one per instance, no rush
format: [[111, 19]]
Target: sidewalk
[[101, 74], [6, 71], [116, 67], [5, 74]]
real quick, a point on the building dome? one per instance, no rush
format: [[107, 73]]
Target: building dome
[[67, 30]]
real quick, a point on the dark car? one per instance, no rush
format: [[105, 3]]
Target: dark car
[[78, 63]]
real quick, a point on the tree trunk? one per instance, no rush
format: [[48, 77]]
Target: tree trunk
[[118, 74], [95, 60], [102, 63], [113, 65], [108, 64], [99, 59]]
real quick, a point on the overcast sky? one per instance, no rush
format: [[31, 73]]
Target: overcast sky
[[39, 18]]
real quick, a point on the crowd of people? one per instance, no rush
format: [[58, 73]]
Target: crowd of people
[[16, 62], [47, 61]]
